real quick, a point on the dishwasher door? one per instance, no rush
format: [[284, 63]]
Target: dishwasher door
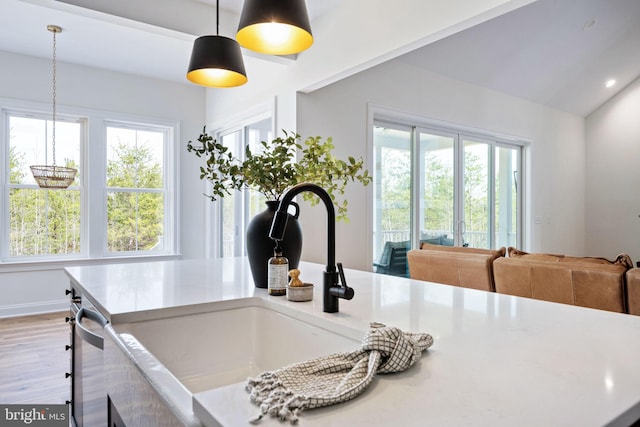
[[89, 396]]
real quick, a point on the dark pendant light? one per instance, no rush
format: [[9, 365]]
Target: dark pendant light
[[216, 61], [275, 27]]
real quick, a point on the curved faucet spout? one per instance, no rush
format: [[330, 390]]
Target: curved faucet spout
[[280, 219], [332, 289]]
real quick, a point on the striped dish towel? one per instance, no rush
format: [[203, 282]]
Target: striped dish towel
[[336, 378]]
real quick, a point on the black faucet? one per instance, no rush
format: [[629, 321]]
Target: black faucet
[[332, 290]]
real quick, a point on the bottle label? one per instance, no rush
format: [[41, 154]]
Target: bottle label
[[278, 276]]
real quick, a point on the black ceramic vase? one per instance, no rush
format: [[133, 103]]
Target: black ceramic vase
[[260, 246]]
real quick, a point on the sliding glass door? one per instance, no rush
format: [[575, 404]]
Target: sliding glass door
[[436, 203], [475, 222], [506, 216], [392, 181], [443, 187]]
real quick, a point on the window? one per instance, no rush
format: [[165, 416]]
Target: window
[[41, 221], [122, 201], [135, 188], [236, 210], [444, 186]]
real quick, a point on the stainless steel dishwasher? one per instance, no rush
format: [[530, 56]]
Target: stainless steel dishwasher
[[88, 392]]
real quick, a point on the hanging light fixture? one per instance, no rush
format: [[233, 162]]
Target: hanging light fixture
[[275, 27], [52, 176], [216, 61]]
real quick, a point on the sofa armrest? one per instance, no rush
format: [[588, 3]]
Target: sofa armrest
[[633, 291]]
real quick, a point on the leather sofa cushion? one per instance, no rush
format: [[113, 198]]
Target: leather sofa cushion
[[588, 282], [456, 266]]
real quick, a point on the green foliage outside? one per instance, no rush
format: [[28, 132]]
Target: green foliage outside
[[134, 218], [47, 222], [438, 197], [41, 222]]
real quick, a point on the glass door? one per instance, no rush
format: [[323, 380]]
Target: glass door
[[442, 187], [392, 197], [255, 134], [231, 242], [476, 220], [507, 196], [436, 199], [238, 208]]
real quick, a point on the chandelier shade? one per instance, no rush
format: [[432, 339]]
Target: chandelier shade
[[275, 27], [216, 61]]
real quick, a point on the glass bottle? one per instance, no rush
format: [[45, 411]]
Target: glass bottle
[[278, 274]]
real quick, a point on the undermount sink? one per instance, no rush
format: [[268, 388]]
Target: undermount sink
[[217, 348]]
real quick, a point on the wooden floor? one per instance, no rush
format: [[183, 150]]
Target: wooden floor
[[33, 360]]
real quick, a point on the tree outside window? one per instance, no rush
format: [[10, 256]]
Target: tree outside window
[[42, 222], [135, 189]]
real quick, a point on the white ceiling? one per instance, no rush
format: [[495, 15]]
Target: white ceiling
[[553, 52], [315, 8], [539, 52]]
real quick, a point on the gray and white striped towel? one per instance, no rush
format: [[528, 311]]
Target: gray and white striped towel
[[336, 378]]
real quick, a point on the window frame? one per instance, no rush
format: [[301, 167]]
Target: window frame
[[242, 199], [92, 183], [168, 217], [399, 120], [213, 210]]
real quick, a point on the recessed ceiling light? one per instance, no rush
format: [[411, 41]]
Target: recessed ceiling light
[[610, 83]]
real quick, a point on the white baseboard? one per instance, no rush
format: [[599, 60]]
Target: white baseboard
[[34, 308]]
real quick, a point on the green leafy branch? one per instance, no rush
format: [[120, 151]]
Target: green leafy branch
[[274, 168]]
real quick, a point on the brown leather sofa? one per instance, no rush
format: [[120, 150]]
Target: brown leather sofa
[[454, 265], [588, 282], [584, 281], [633, 291]]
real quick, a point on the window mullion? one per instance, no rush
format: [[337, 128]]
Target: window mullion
[[491, 185], [417, 184], [459, 187]]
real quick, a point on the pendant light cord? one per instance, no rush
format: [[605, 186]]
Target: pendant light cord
[[53, 134], [217, 17]]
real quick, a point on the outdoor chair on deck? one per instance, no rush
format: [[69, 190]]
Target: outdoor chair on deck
[[393, 260]]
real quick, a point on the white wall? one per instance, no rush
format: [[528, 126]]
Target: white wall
[[28, 78], [556, 170], [353, 36], [613, 179]]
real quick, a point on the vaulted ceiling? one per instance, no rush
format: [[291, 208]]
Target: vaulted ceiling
[[558, 53], [553, 52]]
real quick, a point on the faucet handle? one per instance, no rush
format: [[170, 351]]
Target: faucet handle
[[342, 291], [343, 281]]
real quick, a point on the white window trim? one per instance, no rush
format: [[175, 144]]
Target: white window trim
[[93, 200]]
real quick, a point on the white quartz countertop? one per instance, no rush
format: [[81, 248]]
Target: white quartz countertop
[[496, 360]]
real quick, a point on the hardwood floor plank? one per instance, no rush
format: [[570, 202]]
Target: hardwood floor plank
[[33, 359]]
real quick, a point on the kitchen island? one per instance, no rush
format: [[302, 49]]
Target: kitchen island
[[497, 360]]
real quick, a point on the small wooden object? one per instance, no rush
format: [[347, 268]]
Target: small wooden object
[[297, 290]]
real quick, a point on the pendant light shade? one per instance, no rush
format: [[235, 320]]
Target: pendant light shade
[[216, 61], [275, 27]]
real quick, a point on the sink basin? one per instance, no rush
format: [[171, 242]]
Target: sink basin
[[218, 348]]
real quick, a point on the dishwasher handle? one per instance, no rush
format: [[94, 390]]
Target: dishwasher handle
[[87, 335]]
